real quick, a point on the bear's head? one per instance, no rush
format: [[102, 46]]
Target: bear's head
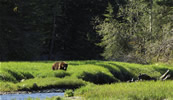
[[65, 66]]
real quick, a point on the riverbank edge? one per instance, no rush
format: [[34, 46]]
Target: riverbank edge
[[33, 91]]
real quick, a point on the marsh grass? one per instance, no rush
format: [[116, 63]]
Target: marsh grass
[[79, 73], [148, 90], [42, 83]]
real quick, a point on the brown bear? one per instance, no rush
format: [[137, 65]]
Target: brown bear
[[59, 65]]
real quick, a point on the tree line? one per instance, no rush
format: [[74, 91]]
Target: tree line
[[123, 30], [141, 31]]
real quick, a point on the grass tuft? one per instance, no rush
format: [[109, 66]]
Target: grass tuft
[[69, 93]]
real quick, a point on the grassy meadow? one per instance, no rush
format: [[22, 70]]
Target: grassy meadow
[[92, 79], [149, 90]]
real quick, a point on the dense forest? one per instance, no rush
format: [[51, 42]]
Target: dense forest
[[123, 30]]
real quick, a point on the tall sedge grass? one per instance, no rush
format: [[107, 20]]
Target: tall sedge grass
[[160, 90]]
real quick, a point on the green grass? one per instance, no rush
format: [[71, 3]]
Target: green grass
[[160, 90], [42, 83], [79, 73]]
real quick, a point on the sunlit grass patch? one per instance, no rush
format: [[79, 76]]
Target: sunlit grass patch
[[42, 83], [50, 73], [148, 90], [8, 86]]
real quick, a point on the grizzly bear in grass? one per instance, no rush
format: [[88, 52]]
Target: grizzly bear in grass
[[60, 65]]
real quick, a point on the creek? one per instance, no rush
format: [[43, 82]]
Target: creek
[[31, 96]]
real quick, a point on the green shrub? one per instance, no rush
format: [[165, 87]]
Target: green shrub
[[69, 93]]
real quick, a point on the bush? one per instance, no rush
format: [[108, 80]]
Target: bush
[[69, 93]]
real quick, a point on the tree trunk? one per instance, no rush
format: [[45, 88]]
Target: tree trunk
[[52, 37]]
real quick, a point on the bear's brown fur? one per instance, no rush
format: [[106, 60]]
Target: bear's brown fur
[[59, 65]]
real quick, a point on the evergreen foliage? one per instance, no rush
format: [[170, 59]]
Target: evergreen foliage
[[137, 32], [126, 30]]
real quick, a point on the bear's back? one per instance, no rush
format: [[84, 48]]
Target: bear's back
[[59, 65], [56, 65]]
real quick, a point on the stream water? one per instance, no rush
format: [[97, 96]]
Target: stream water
[[41, 96]]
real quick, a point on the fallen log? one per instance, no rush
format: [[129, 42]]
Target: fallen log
[[165, 76], [143, 76]]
